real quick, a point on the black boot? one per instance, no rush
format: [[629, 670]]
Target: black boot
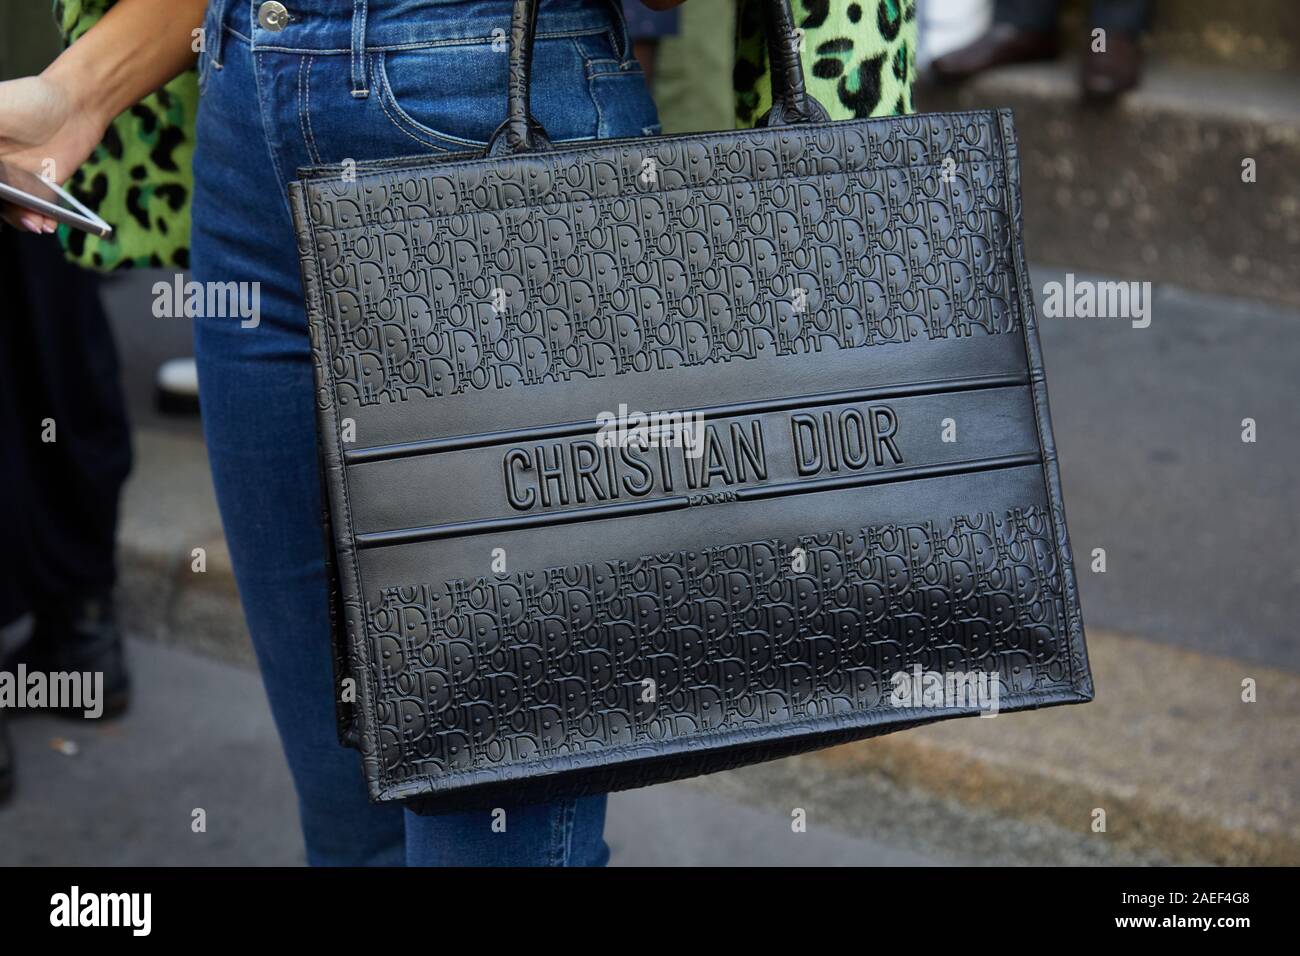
[[81, 636], [6, 761]]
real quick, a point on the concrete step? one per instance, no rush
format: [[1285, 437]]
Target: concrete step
[[1258, 35], [1151, 187], [1168, 749]]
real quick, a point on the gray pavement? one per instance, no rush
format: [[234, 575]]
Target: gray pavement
[[200, 735], [1201, 530]]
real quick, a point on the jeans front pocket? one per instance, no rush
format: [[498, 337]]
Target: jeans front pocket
[[452, 96], [617, 87], [415, 96]]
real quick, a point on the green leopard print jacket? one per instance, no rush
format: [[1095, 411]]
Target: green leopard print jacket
[[859, 60], [138, 179], [859, 57]]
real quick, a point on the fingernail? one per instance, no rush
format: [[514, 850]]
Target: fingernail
[[31, 223], [50, 227]]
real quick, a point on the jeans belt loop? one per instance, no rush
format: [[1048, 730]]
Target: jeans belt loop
[[359, 88]]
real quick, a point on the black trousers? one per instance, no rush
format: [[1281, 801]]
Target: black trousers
[[1129, 16], [58, 379]]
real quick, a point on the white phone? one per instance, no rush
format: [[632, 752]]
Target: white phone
[[26, 189]]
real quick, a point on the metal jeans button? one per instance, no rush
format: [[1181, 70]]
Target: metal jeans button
[[273, 16]]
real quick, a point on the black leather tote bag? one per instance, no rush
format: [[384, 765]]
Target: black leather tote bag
[[845, 521]]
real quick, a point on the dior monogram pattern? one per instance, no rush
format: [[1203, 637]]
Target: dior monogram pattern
[[660, 253], [627, 654], [606, 667]]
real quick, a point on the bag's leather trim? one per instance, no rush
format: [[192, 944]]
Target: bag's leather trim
[[1081, 677], [344, 572]]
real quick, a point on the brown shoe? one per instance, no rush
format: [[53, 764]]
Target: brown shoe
[[1105, 76], [1002, 43]]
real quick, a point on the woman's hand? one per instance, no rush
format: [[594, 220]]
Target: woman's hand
[[50, 124], [43, 130]]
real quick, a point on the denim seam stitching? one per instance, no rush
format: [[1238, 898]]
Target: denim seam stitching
[[619, 33], [204, 69], [402, 129], [304, 103], [386, 93], [559, 849], [586, 68], [571, 821], [315, 150], [270, 146], [555, 813], [203, 66], [302, 130]]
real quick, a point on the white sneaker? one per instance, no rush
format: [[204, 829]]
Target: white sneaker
[[177, 384]]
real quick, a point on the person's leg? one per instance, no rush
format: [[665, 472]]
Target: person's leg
[[1037, 15], [258, 406], [6, 761], [1112, 62], [564, 833], [68, 373], [1022, 31], [71, 452], [15, 525], [591, 87], [262, 116], [1126, 16], [258, 422]]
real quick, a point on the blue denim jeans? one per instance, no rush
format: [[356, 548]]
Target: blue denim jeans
[[354, 79]]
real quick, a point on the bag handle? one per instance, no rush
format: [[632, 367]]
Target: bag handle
[[521, 133]]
